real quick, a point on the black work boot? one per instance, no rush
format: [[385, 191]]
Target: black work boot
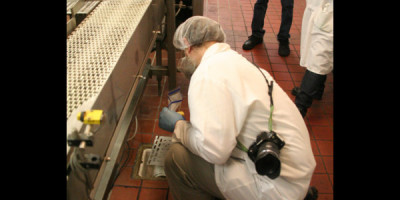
[[252, 42], [312, 193], [302, 109], [317, 95], [284, 49], [310, 87]]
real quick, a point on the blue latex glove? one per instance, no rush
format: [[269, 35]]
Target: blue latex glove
[[168, 119]]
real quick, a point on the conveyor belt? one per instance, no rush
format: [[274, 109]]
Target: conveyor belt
[[96, 45], [105, 54]]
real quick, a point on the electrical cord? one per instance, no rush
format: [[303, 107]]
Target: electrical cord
[[134, 134], [76, 166], [128, 156], [124, 164]]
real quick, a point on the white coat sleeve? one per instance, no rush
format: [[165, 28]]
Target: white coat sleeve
[[214, 121]]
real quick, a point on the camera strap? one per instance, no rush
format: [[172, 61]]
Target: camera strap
[[239, 145]]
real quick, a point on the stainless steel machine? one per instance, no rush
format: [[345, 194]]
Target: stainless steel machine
[[108, 46]]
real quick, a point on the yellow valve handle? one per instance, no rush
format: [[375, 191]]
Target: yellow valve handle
[[91, 116], [181, 113]]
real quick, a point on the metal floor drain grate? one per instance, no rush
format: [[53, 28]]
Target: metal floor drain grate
[[141, 170]]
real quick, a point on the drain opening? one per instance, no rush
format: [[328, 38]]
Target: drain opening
[[150, 159]]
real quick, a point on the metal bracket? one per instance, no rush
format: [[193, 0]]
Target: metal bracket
[[158, 71], [91, 161], [75, 139]]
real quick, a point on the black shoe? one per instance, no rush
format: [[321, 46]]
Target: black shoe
[[296, 90], [251, 42], [312, 193], [303, 111], [284, 49]]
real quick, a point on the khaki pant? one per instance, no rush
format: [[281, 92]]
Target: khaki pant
[[189, 176]]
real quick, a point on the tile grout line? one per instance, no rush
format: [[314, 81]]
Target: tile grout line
[[140, 189]]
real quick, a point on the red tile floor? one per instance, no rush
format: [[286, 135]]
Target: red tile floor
[[235, 17]]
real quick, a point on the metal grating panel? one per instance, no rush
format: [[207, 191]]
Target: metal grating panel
[[95, 46], [160, 147]]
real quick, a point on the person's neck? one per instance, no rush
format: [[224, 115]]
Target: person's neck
[[203, 49]]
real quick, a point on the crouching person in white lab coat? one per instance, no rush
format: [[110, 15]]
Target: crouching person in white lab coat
[[230, 105]]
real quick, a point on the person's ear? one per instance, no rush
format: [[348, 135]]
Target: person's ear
[[190, 49], [186, 42]]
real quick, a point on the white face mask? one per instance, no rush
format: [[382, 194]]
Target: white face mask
[[187, 66]]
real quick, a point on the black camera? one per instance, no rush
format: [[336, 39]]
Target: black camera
[[265, 154]]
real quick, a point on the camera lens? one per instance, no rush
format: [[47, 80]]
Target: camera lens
[[267, 161]]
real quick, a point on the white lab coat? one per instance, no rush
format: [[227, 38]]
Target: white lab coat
[[316, 45], [228, 99]]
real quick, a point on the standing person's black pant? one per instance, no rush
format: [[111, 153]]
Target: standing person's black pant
[[312, 87], [260, 9]]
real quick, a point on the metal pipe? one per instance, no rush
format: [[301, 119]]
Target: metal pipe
[[170, 47], [198, 6]]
